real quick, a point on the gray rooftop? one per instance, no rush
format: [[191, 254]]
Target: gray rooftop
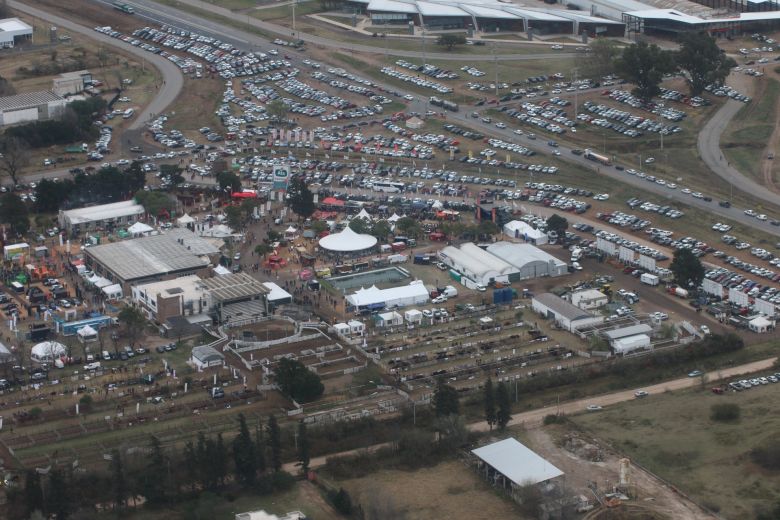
[[146, 256], [624, 332], [231, 287], [206, 354], [196, 244], [561, 307], [27, 100], [516, 462]]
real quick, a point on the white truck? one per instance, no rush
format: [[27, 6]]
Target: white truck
[[649, 279], [450, 291], [576, 254]]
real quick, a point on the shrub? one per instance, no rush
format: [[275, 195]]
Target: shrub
[[552, 419], [282, 481], [341, 501], [724, 412], [767, 455]]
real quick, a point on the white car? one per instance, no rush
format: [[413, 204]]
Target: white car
[[761, 217], [557, 47], [409, 97], [750, 213], [685, 190], [440, 299], [500, 125], [576, 266], [519, 132], [640, 393], [594, 408], [705, 330]]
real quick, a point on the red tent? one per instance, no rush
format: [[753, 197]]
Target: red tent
[[250, 194], [332, 201]]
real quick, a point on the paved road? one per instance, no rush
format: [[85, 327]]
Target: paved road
[[149, 8], [173, 80], [536, 417], [709, 149]]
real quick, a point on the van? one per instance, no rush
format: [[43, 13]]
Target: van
[[106, 356], [16, 286]]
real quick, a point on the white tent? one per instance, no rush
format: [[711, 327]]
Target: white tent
[[394, 218], [291, 232], [113, 292], [437, 205], [347, 241], [761, 324], [103, 282], [87, 334], [48, 351], [413, 294], [185, 219], [342, 328], [364, 215], [218, 231], [139, 228], [220, 270], [413, 316], [631, 343]]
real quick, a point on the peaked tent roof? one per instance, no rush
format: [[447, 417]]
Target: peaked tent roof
[[347, 240], [139, 227], [363, 214]]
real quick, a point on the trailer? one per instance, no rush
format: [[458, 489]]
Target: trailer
[[592, 156], [125, 8], [649, 279]]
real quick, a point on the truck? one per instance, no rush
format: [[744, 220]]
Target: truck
[[450, 291], [576, 254], [599, 158], [127, 9], [649, 279], [679, 292]]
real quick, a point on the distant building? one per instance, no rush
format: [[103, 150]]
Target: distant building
[[563, 313], [76, 221], [181, 296], [589, 299], [30, 107], [13, 31], [204, 357], [69, 83]]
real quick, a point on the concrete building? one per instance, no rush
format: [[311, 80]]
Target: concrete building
[[236, 297], [528, 261], [69, 83], [144, 260], [13, 31], [116, 214], [30, 107], [181, 296], [563, 313], [589, 299], [203, 357]]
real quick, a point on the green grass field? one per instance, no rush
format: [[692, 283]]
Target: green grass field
[[673, 436]]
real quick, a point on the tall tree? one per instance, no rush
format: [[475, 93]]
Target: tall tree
[[408, 226], [445, 399], [13, 211], [600, 61], [118, 482], [687, 269], [244, 454], [504, 414], [15, 155], [645, 65], [33, 492], [359, 225], [191, 465], [297, 381], [59, 500], [133, 322], [300, 198], [275, 443], [204, 472], [381, 229], [451, 40], [702, 61], [228, 181], [51, 194], [490, 403], [260, 447], [277, 110], [155, 478], [220, 461], [303, 447], [558, 224]]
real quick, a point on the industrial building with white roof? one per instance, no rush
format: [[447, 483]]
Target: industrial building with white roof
[[14, 31], [85, 219]]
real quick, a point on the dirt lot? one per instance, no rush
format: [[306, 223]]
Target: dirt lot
[[448, 490], [673, 435]]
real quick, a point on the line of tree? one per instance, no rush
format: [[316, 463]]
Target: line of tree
[[162, 476], [699, 60], [498, 408], [75, 125]]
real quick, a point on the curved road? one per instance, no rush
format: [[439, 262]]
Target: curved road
[[709, 149], [173, 81], [155, 9]]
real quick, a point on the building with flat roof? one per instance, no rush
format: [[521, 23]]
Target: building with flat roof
[[563, 313], [14, 31], [30, 106], [236, 297], [144, 260], [69, 83], [76, 221], [182, 296], [205, 356]]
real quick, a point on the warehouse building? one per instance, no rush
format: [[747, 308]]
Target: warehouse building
[[30, 107], [107, 216], [528, 261], [144, 260], [563, 313], [478, 265], [524, 231], [13, 31]]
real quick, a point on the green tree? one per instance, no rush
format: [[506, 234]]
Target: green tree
[[14, 156], [558, 224], [154, 477], [172, 172], [191, 465], [688, 270], [156, 203], [235, 217], [303, 447], [297, 381], [118, 482], [59, 500], [645, 65], [445, 399], [490, 403], [276, 110], [318, 226], [408, 226], [450, 40], [263, 249], [300, 198], [359, 225], [260, 447], [275, 443], [33, 492], [600, 61], [219, 464], [244, 454], [228, 181], [6, 88], [504, 414], [133, 322], [487, 228], [14, 213], [702, 61], [381, 229], [50, 195], [342, 502]]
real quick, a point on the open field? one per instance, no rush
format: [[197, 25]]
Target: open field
[[673, 436], [447, 490]]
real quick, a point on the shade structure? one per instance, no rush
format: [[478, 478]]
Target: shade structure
[[347, 241], [48, 351], [139, 228], [185, 219]]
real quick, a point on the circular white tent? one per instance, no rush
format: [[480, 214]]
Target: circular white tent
[[347, 241], [48, 351]]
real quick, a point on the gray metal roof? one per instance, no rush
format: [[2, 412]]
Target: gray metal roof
[[146, 256], [27, 100], [197, 245], [231, 287], [206, 354], [625, 332], [516, 462], [561, 307]]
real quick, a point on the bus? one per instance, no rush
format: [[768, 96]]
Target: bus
[[447, 105], [119, 6], [388, 186], [603, 159]]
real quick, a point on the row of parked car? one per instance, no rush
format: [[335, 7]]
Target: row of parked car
[[420, 82], [745, 384]]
